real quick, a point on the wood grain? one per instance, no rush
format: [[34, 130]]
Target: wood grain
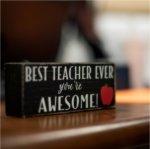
[[126, 126]]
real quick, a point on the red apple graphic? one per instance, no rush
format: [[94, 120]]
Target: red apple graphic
[[106, 93]]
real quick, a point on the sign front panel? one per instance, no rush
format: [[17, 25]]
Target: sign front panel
[[58, 88]]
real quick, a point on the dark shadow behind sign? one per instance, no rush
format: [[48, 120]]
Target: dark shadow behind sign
[[51, 88]]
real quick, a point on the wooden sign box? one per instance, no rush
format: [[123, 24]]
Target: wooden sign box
[[52, 88]]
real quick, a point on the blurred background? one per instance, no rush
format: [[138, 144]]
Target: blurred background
[[80, 31]]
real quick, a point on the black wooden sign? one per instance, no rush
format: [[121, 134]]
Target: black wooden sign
[[48, 88]]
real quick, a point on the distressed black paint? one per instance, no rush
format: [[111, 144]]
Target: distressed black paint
[[48, 88]]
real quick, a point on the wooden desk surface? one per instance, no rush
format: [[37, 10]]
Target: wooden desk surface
[[125, 126]]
